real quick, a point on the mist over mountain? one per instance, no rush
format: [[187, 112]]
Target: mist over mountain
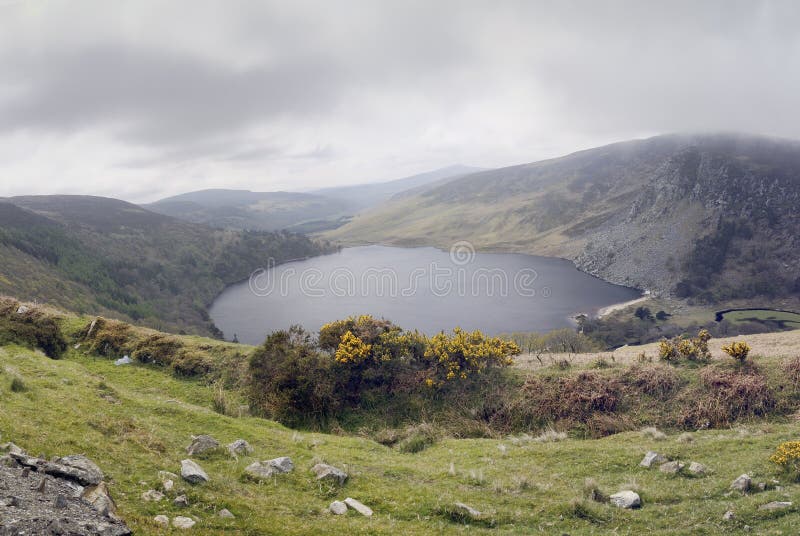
[[709, 216]]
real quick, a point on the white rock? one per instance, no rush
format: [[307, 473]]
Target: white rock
[[181, 522], [671, 468], [697, 469], [775, 505], [124, 360], [361, 508], [338, 507], [152, 495], [329, 472], [22, 309], [742, 483], [193, 473], [626, 499], [467, 510], [240, 447], [225, 514], [168, 485], [162, 520], [282, 464], [727, 516], [653, 458]]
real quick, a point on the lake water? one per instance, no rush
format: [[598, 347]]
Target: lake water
[[417, 288]]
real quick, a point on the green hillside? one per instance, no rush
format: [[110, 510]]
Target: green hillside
[[136, 420], [707, 217], [106, 256]]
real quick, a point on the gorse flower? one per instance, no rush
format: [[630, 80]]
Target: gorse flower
[[352, 349], [738, 350], [787, 455]]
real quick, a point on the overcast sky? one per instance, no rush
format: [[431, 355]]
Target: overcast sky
[[143, 99]]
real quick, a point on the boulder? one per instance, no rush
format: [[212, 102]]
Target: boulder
[[697, 469], [671, 468], [201, 444], [225, 514], [359, 507], [323, 471], [775, 505], [22, 309], [162, 520], [240, 447], [626, 499], [181, 501], [282, 465], [653, 458], [181, 522], [742, 483], [466, 510], [338, 507], [152, 495], [100, 499], [193, 473], [260, 470], [77, 467]]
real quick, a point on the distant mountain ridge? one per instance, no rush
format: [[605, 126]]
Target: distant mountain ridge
[[107, 256], [303, 212], [712, 217]]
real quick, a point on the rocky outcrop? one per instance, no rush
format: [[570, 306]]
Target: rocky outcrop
[[66, 496]]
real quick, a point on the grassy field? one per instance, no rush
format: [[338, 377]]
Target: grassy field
[[137, 420], [788, 319]]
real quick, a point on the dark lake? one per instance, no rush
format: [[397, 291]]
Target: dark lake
[[417, 288]]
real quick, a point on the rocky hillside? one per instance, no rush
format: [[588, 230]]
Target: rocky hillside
[[708, 216], [107, 256]]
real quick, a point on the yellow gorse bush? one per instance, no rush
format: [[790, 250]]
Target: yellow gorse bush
[[693, 349], [787, 455], [738, 350], [463, 353], [352, 349]]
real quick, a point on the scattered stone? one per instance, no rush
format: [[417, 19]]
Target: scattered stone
[[13, 502], [329, 472], [181, 501], [742, 483], [192, 473], [225, 514], [761, 486], [166, 475], [361, 508], [60, 502], [671, 468], [466, 510], [100, 499], [152, 495], [775, 505], [260, 471], [124, 360], [338, 507], [181, 522], [626, 499], [22, 309], [240, 447], [168, 485], [653, 458], [728, 516], [697, 469], [202, 444], [282, 464], [162, 520]]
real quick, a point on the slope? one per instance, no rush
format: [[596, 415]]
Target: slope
[[705, 216], [104, 255]]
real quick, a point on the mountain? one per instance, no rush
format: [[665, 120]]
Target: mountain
[[100, 255], [709, 217], [367, 195], [305, 213], [242, 209]]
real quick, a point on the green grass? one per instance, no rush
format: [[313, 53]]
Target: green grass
[[136, 420]]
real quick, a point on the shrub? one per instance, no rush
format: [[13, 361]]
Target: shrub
[[18, 386], [463, 354], [726, 396], [33, 328], [657, 381], [159, 349], [787, 456], [692, 349], [109, 338], [291, 380], [738, 350]]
